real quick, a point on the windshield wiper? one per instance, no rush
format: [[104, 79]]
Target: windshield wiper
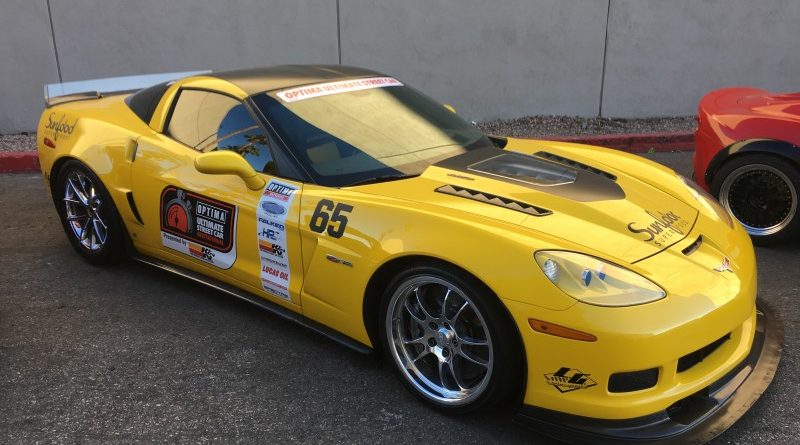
[[376, 179]]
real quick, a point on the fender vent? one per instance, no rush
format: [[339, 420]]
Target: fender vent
[[574, 164], [493, 200]]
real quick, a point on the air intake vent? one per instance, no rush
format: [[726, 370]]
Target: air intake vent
[[574, 164], [689, 360], [493, 200]]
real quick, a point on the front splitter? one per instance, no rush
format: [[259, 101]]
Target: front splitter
[[693, 420]]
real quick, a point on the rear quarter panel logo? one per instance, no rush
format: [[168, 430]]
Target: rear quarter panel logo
[[569, 379]]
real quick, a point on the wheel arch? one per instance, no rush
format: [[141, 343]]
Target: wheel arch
[[383, 275], [774, 147]]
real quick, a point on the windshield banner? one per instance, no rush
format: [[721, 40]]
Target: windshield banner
[[342, 86]]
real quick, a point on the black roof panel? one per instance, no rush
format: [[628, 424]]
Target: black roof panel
[[257, 80]]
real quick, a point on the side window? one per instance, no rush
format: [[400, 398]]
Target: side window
[[240, 133], [196, 117], [209, 121]]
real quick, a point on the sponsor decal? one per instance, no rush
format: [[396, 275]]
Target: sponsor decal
[[664, 227], [725, 266], [58, 127], [341, 86], [568, 379], [273, 208], [271, 216], [198, 226], [270, 248]]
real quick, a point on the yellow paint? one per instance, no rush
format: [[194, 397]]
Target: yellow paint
[[495, 244]]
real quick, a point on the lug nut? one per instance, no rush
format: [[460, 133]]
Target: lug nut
[[446, 352], [433, 325], [431, 342]]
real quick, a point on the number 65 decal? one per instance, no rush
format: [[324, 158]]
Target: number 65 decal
[[335, 222]]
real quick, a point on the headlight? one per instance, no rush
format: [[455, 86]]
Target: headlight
[[594, 281], [706, 200]]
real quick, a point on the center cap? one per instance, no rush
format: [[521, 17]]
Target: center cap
[[444, 337]]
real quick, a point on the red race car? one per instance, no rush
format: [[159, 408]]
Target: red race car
[[747, 155]]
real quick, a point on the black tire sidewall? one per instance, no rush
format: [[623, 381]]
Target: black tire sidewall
[[506, 381], [113, 250], [788, 233]]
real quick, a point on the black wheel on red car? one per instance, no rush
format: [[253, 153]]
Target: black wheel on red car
[[450, 339], [88, 215], [761, 192]]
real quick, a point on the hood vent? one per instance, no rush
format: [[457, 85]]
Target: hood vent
[[574, 164], [493, 200]]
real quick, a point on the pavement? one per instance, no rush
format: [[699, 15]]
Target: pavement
[[133, 354]]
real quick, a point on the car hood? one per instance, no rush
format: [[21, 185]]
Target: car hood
[[760, 102], [607, 211]]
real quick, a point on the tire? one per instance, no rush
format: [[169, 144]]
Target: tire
[[459, 360], [761, 192], [88, 215]]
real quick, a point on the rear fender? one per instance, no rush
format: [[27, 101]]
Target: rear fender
[[782, 149]]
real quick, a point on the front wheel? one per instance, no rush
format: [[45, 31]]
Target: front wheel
[[450, 339], [88, 214], [761, 192]]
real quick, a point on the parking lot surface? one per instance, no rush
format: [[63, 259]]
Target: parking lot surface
[[133, 354]]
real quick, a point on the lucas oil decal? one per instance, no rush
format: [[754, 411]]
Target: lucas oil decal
[[198, 226], [272, 247]]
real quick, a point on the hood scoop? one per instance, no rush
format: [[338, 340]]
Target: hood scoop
[[576, 164], [559, 177], [488, 198], [526, 169]]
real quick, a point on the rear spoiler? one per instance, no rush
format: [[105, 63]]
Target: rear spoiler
[[57, 93]]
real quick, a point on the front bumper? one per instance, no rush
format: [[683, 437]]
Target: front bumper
[[694, 419]]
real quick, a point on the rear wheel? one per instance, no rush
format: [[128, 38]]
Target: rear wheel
[[88, 214], [450, 339], [761, 192]]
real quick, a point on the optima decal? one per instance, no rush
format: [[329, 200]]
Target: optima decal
[[664, 227], [198, 226], [567, 379], [341, 86], [271, 216]]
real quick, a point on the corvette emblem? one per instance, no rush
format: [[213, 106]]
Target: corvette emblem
[[725, 266]]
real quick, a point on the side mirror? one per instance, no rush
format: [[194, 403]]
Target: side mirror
[[223, 162], [450, 108]]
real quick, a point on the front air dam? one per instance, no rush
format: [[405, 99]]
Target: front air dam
[[693, 420]]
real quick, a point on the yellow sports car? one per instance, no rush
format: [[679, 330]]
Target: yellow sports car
[[607, 296]]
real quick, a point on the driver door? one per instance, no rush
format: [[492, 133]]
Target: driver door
[[215, 224]]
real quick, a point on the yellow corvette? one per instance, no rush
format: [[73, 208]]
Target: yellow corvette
[[609, 297]]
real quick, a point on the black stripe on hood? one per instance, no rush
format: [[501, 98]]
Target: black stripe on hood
[[536, 173]]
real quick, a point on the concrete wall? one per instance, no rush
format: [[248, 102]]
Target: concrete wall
[[621, 58]]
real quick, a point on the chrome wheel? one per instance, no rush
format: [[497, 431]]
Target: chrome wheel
[[761, 197], [83, 211], [439, 339]]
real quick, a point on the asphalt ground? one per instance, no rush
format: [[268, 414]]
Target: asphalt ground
[[133, 354]]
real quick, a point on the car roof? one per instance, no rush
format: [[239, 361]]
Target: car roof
[[257, 80]]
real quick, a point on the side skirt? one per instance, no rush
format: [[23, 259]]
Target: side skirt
[[256, 300]]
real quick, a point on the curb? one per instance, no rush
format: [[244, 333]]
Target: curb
[[636, 143], [28, 161], [19, 161]]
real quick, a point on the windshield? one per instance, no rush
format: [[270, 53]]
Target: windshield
[[366, 130]]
